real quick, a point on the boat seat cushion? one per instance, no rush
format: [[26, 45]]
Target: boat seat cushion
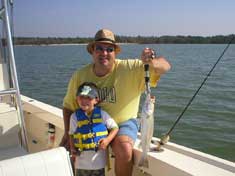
[[53, 162]]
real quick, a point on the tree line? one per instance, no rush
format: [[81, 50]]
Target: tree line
[[219, 39]]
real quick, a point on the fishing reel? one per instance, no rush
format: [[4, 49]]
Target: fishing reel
[[162, 142]]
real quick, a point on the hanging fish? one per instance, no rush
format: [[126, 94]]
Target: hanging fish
[[146, 128]]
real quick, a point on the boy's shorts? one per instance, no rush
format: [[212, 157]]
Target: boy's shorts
[[129, 128], [82, 172]]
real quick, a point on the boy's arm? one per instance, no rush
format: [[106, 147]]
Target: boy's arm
[[112, 128], [112, 133], [103, 143]]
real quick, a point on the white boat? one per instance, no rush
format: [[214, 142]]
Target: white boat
[[30, 132]]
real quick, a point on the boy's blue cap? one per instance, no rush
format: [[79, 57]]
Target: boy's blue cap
[[88, 91]]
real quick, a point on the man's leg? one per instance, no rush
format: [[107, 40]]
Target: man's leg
[[122, 147]]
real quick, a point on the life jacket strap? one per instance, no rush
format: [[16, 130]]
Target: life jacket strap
[[86, 146], [86, 122], [90, 135]]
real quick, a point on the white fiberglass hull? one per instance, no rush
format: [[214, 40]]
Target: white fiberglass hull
[[174, 160]]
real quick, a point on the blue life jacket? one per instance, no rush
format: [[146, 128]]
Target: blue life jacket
[[89, 130]]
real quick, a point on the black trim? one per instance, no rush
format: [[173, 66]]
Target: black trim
[[104, 39]]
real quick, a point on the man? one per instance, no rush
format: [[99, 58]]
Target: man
[[121, 83]]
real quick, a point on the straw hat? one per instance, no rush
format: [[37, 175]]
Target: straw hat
[[103, 36]]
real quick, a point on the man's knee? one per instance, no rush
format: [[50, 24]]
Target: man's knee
[[123, 148]]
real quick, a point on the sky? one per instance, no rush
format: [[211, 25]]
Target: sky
[[83, 18]]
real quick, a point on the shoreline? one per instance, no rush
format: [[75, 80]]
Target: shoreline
[[81, 44], [64, 44]]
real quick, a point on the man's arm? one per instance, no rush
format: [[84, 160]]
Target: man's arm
[[159, 64], [65, 140], [73, 150]]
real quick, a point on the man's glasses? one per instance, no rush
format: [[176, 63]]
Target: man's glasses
[[99, 48]]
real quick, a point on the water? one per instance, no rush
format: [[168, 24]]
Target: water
[[209, 123]]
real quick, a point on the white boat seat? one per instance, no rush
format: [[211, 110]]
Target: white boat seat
[[10, 145], [53, 162], [9, 126]]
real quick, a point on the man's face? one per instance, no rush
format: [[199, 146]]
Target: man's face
[[104, 55]]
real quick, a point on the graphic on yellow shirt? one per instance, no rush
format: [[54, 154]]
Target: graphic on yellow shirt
[[107, 94]]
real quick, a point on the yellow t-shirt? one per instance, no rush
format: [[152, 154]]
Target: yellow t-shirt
[[120, 90]]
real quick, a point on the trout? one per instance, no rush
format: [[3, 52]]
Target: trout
[[146, 128]]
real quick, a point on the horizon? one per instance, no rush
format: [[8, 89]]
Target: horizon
[[58, 18], [127, 36]]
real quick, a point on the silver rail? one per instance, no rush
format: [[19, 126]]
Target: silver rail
[[15, 90], [8, 92]]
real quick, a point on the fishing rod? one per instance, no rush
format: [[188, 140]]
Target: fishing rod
[[147, 76], [166, 137]]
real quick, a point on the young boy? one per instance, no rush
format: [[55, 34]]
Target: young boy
[[91, 131]]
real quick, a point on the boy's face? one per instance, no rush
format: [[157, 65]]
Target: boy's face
[[86, 103]]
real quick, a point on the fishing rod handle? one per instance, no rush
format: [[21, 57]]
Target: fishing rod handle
[[146, 69], [146, 66]]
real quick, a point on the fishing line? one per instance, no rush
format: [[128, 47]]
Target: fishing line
[[166, 137]]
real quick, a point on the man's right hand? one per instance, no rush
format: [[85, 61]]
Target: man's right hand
[[65, 142], [65, 139]]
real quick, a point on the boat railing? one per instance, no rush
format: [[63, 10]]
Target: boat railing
[[9, 83]]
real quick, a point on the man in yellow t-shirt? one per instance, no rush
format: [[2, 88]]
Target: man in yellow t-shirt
[[120, 84]]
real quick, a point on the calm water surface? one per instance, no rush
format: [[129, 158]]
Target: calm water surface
[[209, 123]]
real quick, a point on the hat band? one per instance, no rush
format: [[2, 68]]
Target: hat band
[[104, 39]]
